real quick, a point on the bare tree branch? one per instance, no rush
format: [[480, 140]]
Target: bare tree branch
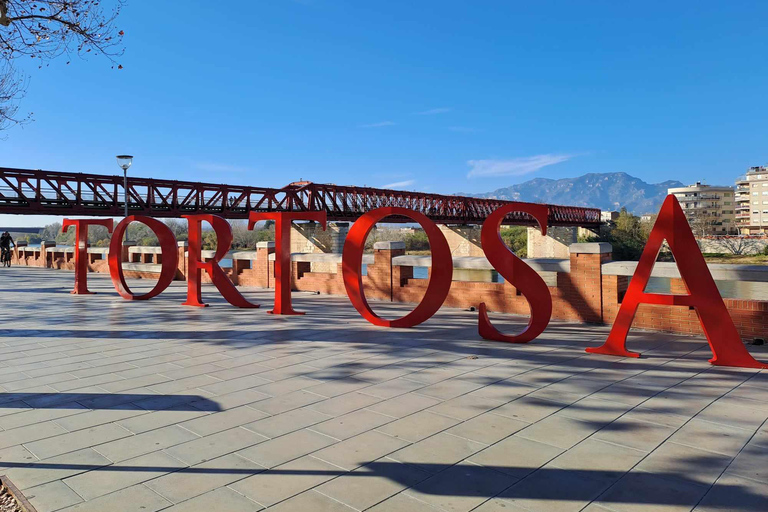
[[47, 29], [12, 88]]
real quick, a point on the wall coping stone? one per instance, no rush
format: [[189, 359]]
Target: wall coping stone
[[591, 248], [719, 271], [265, 245], [482, 263], [388, 246], [183, 243], [142, 267], [322, 257], [145, 249], [243, 255]]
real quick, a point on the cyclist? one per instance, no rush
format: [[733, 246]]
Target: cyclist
[[5, 248]]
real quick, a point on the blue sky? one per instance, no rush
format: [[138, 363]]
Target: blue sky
[[441, 96]]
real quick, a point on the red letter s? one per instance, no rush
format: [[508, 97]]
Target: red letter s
[[514, 270]]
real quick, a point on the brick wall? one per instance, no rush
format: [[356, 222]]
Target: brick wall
[[583, 294]]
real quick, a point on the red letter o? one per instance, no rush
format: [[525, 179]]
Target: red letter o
[[439, 281], [167, 246]]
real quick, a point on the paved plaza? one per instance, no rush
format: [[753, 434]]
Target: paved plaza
[[113, 405]]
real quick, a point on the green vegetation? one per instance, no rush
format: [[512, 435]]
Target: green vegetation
[[242, 238], [416, 241], [628, 236], [516, 238]]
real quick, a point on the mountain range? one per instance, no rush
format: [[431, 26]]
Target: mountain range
[[607, 191]]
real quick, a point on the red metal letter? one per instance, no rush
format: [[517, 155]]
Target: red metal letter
[[167, 246], [514, 270], [283, 253], [81, 249], [195, 266], [724, 340], [439, 281]]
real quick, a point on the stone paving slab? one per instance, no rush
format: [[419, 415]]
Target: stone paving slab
[[111, 405]]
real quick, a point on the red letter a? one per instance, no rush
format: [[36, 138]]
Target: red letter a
[[724, 340]]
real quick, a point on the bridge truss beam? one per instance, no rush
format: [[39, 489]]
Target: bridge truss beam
[[38, 192]]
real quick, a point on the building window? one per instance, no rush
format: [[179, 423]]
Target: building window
[[754, 193], [755, 202]]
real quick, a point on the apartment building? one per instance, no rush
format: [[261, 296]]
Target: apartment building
[[752, 201], [711, 210]]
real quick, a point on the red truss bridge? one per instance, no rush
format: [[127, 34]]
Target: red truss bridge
[[39, 192]]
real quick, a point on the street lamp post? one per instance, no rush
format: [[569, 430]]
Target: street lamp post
[[125, 161]]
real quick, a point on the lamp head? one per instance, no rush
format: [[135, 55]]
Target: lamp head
[[124, 161]]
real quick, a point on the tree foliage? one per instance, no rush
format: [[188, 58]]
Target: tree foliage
[[242, 238], [628, 236], [516, 238], [47, 29]]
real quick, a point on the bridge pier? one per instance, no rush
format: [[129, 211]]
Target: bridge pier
[[557, 241], [463, 239], [552, 245], [309, 237]]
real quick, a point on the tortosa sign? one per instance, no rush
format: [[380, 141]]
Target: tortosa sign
[[671, 225]]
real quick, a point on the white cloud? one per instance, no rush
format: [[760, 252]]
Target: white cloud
[[399, 184], [433, 111], [514, 166], [219, 167], [378, 125]]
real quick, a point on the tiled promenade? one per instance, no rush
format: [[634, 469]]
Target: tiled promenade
[[110, 405]]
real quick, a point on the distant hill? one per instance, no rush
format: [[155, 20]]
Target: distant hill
[[607, 191]]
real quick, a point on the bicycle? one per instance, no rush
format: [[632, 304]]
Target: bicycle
[[5, 257]]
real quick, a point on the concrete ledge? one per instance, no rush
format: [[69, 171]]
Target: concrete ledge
[[142, 249], [98, 250], [719, 271], [322, 257], [591, 248], [388, 246], [142, 267], [482, 263], [243, 255], [265, 245]]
